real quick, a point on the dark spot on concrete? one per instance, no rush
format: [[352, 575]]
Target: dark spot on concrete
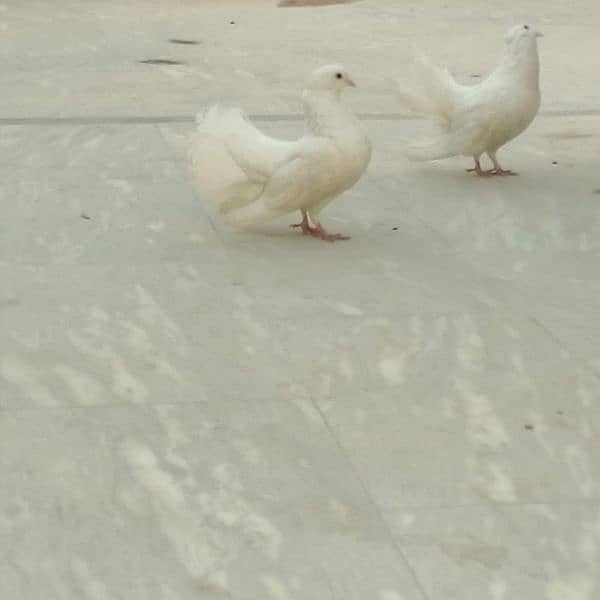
[[475, 75], [6, 302], [232, 22], [86, 217], [568, 135], [529, 427], [554, 162], [394, 229], [312, 2], [472, 550], [596, 191], [184, 42], [161, 61]]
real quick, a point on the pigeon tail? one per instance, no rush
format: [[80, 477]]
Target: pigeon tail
[[433, 92], [231, 159]]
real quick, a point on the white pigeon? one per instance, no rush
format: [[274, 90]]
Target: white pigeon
[[254, 178], [480, 118]]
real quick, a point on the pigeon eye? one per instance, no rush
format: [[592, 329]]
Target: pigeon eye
[[525, 26], [338, 75]]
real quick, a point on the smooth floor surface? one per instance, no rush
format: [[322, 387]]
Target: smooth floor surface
[[189, 412]]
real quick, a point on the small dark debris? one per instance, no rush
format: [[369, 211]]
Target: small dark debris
[[232, 22], [312, 2], [394, 229], [475, 75], [185, 42], [560, 412], [529, 427], [554, 162], [86, 217], [9, 302], [160, 61]]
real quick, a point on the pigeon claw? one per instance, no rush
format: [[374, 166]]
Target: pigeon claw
[[318, 231], [490, 172], [322, 234], [503, 172], [482, 172], [306, 228]]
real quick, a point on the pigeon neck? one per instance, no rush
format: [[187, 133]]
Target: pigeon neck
[[324, 112], [325, 94], [523, 62]]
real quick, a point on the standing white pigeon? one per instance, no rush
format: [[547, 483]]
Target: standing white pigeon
[[255, 178], [479, 118]]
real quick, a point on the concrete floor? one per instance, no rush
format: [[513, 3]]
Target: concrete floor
[[188, 412]]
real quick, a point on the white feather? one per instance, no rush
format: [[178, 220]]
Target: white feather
[[480, 118], [253, 178]]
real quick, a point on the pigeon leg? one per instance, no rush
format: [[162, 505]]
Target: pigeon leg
[[478, 170], [320, 232], [305, 225], [498, 170]]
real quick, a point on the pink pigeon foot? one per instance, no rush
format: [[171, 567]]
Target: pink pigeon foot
[[479, 171], [502, 172], [322, 234], [305, 226]]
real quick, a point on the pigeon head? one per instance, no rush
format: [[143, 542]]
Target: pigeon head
[[330, 78], [521, 37]]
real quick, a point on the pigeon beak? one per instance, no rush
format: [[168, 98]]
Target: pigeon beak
[[539, 34], [350, 82]]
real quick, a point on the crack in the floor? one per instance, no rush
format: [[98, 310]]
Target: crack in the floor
[[275, 117], [353, 469]]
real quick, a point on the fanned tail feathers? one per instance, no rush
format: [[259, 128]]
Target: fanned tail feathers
[[232, 161], [432, 91]]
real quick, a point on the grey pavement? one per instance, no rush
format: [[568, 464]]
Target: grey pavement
[[189, 412]]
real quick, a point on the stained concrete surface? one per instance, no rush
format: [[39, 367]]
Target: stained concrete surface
[[190, 412]]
